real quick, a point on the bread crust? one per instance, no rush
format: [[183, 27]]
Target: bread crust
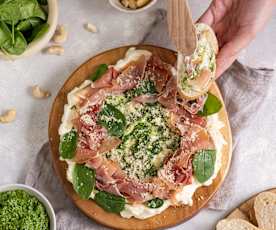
[[265, 210]]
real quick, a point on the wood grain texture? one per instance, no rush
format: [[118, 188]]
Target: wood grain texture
[[171, 216], [181, 27], [246, 209]]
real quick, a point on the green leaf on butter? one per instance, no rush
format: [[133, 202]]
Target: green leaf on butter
[[212, 105], [110, 202], [68, 145], [101, 70], [204, 164], [155, 203], [83, 180]]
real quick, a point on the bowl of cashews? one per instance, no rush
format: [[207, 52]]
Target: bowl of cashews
[[132, 6]]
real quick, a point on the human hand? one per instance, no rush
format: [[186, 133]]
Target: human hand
[[236, 23]]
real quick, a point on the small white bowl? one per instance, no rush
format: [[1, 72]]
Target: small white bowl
[[38, 195], [40, 43], [116, 4]]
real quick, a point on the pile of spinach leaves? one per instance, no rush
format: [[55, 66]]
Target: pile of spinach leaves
[[21, 22]]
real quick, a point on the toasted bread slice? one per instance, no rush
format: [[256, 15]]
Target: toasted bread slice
[[196, 73], [265, 210], [235, 224]]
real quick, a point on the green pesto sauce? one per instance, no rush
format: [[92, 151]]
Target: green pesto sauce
[[146, 139], [21, 211]]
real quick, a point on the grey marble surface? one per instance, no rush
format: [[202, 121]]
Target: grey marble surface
[[21, 140]]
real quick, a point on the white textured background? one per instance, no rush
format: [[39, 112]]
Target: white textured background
[[21, 140]]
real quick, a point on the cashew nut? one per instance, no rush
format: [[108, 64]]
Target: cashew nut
[[8, 116], [55, 50], [37, 92], [91, 27], [60, 35]]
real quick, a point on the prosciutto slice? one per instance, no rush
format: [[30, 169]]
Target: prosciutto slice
[[159, 72]]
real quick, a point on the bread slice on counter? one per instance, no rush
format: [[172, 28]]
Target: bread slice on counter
[[265, 210], [235, 224]]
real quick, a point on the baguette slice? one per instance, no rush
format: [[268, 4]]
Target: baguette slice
[[235, 224], [265, 210], [238, 214], [196, 73]]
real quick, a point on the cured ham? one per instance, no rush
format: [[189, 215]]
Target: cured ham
[[94, 140], [159, 72]]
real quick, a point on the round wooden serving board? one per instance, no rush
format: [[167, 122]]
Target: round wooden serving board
[[246, 210], [172, 215]]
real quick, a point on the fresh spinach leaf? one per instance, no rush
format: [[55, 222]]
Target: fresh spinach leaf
[[28, 24], [68, 145], [38, 32], [155, 203], [16, 10], [204, 164], [211, 106], [16, 45], [83, 180], [5, 33], [112, 119], [101, 70], [43, 2], [110, 202]]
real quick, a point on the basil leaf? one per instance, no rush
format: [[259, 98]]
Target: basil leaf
[[101, 70], [28, 24], [17, 10], [5, 33], [38, 32], [204, 164], [83, 180], [112, 119], [211, 106], [16, 45], [155, 203], [110, 202], [68, 145]]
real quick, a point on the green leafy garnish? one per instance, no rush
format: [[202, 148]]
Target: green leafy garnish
[[112, 119], [211, 106], [68, 145], [110, 202], [204, 164], [101, 70], [155, 203], [83, 180]]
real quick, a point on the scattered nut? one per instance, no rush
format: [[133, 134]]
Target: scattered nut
[[91, 27], [37, 92], [55, 50], [60, 35], [8, 116]]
